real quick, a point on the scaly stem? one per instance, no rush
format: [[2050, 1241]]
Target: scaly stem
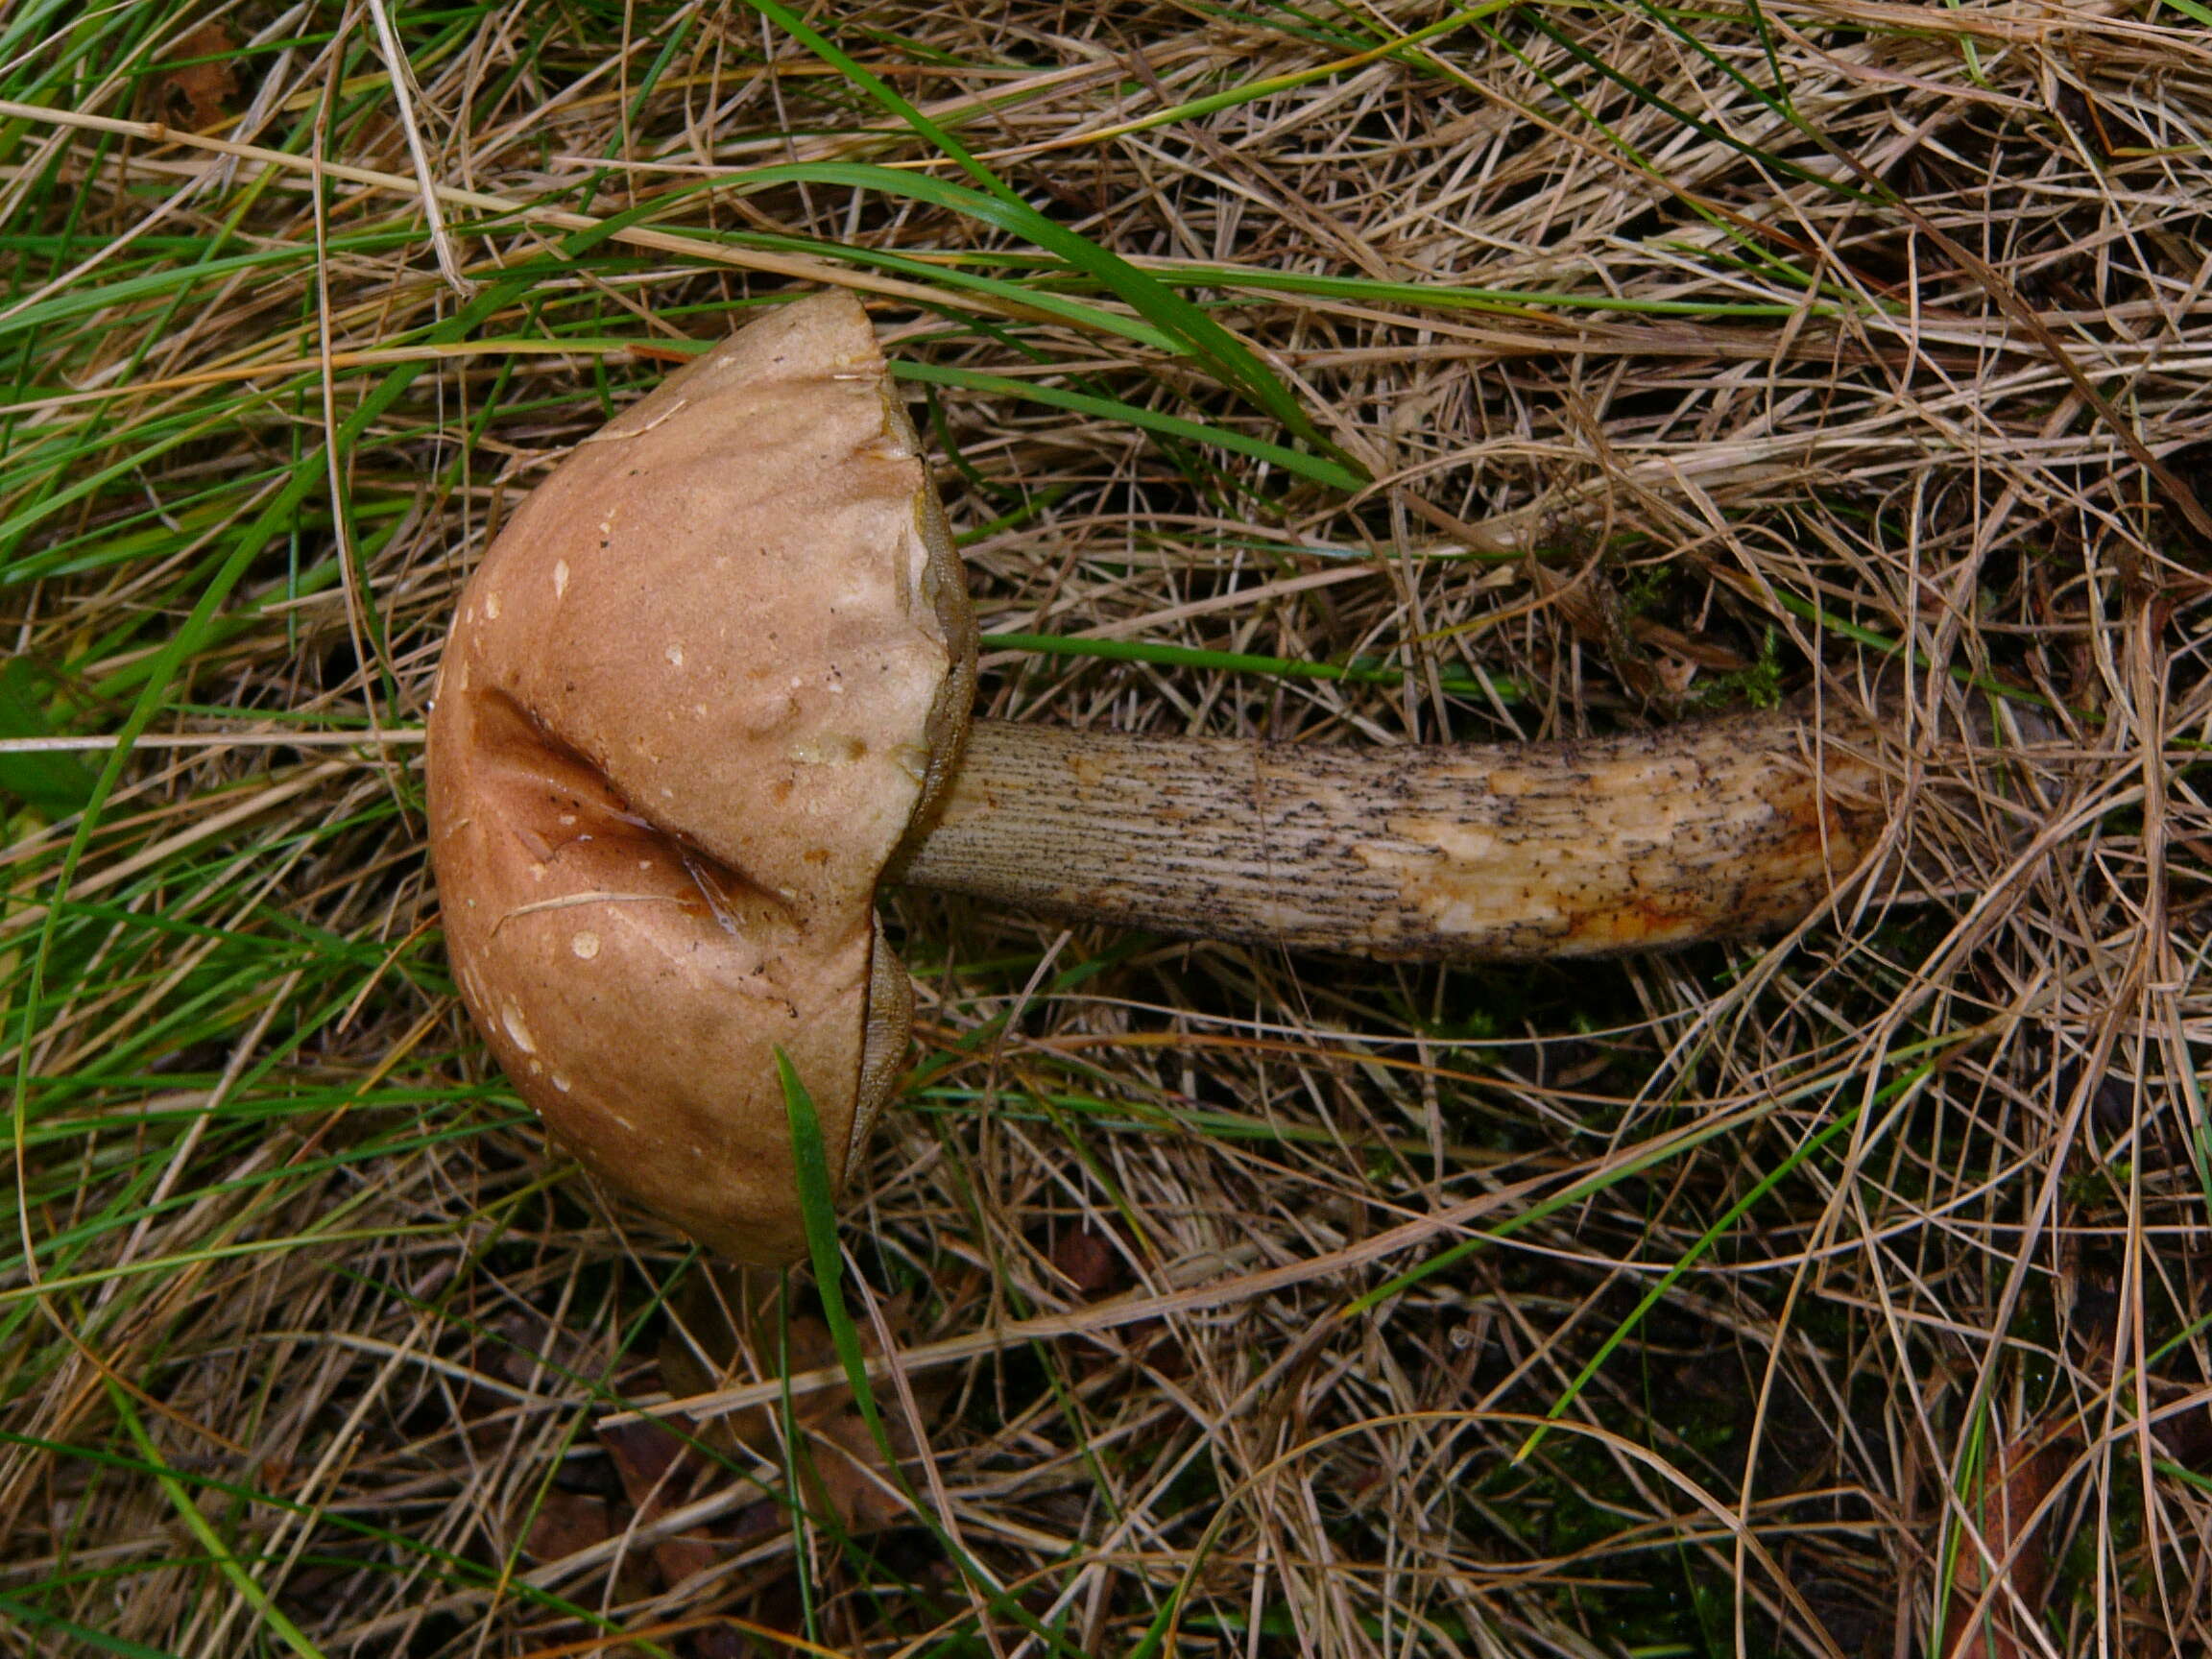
[[1703, 830]]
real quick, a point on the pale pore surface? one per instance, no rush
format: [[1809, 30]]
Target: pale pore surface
[[681, 723]]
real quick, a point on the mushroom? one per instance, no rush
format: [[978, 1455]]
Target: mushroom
[[711, 686]]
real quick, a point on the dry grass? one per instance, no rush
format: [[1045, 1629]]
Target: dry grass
[[1693, 355]]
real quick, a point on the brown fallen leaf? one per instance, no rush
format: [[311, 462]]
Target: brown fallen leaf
[[1979, 1621], [566, 1523], [660, 1474], [842, 1470], [202, 91], [719, 1641], [1087, 1260]]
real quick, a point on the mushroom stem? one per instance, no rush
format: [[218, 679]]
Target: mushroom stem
[[1705, 830]]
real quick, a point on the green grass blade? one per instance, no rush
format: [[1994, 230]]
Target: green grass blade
[[187, 1512], [84, 1639], [1202, 339], [1318, 468]]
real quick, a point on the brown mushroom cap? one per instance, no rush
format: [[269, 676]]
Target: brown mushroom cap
[[693, 697]]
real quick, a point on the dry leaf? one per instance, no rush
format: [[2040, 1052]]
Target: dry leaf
[[1979, 1626], [1088, 1261], [566, 1523], [203, 91], [842, 1473], [659, 1472]]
